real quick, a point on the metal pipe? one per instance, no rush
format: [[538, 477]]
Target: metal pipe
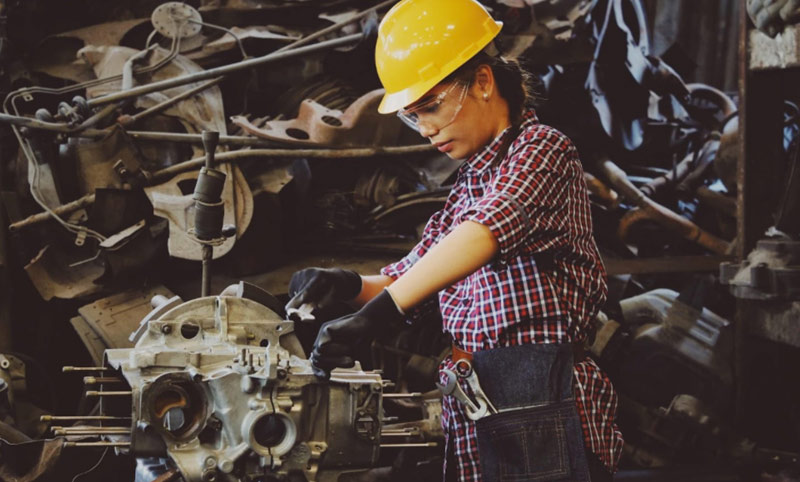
[[83, 369], [660, 214], [160, 176], [205, 285], [119, 393], [225, 69], [409, 445], [402, 395], [336, 26], [177, 137], [98, 380], [97, 444], [128, 120], [68, 418], [86, 200], [66, 432]]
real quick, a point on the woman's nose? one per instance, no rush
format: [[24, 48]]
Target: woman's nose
[[427, 130]]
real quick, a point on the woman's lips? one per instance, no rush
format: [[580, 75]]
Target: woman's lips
[[444, 146]]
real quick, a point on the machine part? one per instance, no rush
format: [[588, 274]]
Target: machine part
[[226, 390], [770, 16], [770, 272], [173, 201], [53, 278], [202, 111], [216, 72], [688, 348], [359, 125], [97, 162], [112, 319], [176, 19], [650, 209]]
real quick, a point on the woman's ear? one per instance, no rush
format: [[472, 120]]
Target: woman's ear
[[484, 79]]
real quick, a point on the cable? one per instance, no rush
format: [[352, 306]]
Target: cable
[[93, 467]]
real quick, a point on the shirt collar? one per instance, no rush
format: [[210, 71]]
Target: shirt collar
[[482, 159]]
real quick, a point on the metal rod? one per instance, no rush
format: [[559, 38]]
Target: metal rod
[[402, 395], [167, 103], [42, 217], [97, 380], [208, 253], [120, 393], [67, 418], [177, 137], [66, 432], [83, 369], [409, 445], [225, 69], [97, 444], [335, 26], [160, 176]]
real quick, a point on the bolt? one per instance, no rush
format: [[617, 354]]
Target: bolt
[[282, 373], [210, 475], [226, 466], [166, 329], [4, 364], [211, 462]]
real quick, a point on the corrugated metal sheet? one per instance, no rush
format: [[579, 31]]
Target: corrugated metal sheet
[[704, 34]]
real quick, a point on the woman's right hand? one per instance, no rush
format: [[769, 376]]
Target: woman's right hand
[[316, 289]]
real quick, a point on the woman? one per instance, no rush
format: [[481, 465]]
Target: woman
[[511, 257]]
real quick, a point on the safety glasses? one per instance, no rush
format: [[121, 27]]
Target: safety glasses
[[438, 111]]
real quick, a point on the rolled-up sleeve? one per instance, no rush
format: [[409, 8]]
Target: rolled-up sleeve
[[526, 205]]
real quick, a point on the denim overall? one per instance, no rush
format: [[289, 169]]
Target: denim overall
[[537, 435]]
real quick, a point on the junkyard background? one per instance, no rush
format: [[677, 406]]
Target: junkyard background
[[697, 334]]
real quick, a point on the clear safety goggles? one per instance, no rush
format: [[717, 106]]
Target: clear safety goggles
[[437, 112]]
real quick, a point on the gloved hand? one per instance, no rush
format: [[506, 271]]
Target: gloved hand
[[319, 288], [337, 339]]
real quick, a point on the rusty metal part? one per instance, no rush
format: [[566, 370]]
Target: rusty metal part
[[233, 156], [598, 188], [81, 203], [649, 209], [359, 125], [227, 69], [780, 52], [718, 201], [128, 120], [53, 278]]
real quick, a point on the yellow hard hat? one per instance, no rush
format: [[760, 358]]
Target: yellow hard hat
[[420, 42]]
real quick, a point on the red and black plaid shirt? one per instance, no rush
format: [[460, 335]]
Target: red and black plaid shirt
[[535, 203]]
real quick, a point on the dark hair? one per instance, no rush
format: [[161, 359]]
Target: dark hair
[[515, 84]]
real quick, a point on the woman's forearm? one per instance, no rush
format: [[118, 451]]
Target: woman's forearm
[[371, 286], [468, 247]]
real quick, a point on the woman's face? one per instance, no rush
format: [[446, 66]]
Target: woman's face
[[457, 118]]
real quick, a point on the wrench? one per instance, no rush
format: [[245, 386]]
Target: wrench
[[464, 370], [452, 387]]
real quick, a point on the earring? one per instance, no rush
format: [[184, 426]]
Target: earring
[[485, 96]]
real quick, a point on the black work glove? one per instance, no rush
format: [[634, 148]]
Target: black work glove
[[337, 338], [320, 288]]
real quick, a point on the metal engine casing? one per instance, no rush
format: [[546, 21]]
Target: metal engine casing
[[221, 386]]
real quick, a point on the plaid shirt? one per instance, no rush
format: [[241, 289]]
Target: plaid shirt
[[546, 284]]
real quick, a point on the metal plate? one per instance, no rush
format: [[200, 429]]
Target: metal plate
[[175, 19]]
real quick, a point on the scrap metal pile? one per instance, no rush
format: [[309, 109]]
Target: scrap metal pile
[[101, 195]]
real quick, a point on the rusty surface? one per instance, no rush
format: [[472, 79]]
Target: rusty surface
[[315, 125]]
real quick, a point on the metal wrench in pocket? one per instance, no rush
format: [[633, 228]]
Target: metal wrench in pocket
[[476, 409]]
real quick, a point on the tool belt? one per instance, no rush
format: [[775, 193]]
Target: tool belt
[[578, 352], [534, 433]]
